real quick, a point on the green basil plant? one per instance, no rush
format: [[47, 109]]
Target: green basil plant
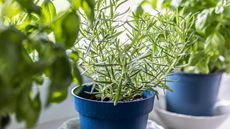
[[211, 52], [34, 40], [213, 27]]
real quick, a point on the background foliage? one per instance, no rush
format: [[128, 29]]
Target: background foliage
[[211, 52], [33, 44], [189, 5]]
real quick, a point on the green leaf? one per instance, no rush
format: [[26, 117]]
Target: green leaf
[[166, 4], [195, 58], [204, 22], [11, 52], [200, 60], [28, 109], [8, 95], [227, 38], [165, 86], [75, 4], [111, 8], [10, 10], [88, 7], [66, 29], [139, 10], [48, 12], [201, 22], [29, 5], [77, 78], [154, 4], [38, 80], [203, 66], [74, 56], [61, 78], [215, 44]]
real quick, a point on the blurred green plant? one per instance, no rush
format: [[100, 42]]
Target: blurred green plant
[[34, 40], [126, 54], [188, 5], [213, 27], [211, 52]]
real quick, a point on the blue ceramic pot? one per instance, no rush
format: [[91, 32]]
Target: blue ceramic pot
[[104, 115], [193, 94]]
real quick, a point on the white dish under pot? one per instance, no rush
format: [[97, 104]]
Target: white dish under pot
[[179, 121]]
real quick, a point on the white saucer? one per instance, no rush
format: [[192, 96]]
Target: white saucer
[[74, 124], [179, 121]]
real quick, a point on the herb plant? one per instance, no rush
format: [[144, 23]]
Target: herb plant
[[33, 44], [128, 53], [213, 27], [210, 53]]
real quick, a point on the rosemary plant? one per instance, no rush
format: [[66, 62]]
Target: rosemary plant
[[127, 57]]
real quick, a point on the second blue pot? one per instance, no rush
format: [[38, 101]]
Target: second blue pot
[[193, 94], [104, 115]]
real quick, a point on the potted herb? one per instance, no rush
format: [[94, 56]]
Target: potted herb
[[196, 85], [33, 43], [127, 61]]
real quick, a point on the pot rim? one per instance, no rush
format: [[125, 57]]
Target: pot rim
[[110, 102]]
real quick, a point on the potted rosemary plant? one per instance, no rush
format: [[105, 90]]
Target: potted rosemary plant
[[34, 39], [127, 61], [197, 83]]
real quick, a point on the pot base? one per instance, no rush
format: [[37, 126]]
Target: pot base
[[74, 123]]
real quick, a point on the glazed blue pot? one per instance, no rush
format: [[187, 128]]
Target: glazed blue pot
[[104, 115], [193, 94]]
